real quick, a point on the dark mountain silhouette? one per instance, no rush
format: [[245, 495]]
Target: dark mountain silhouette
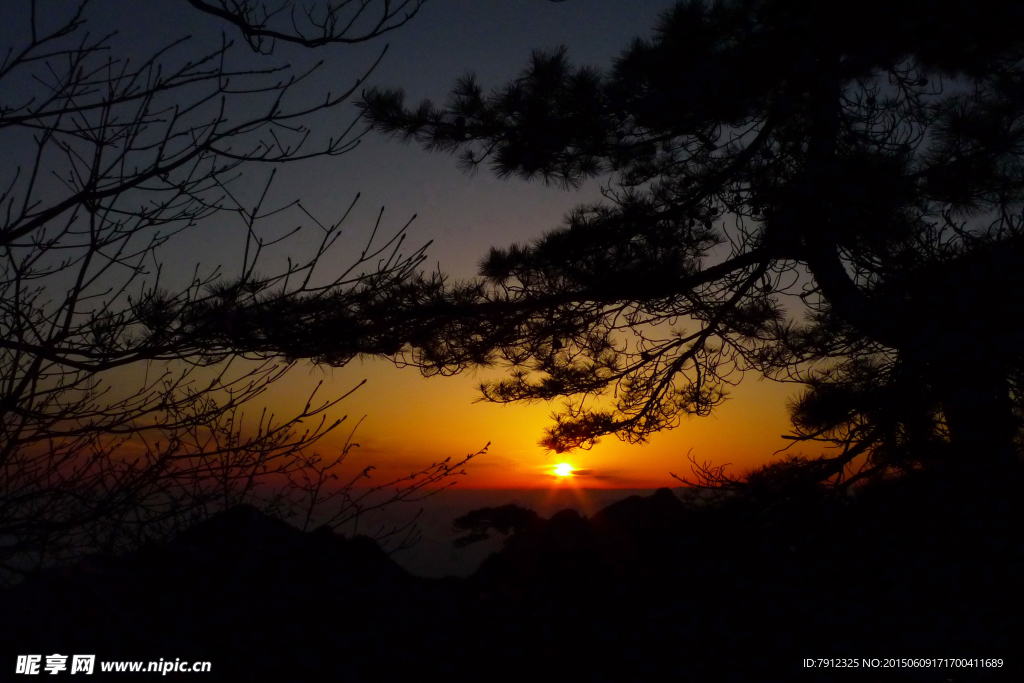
[[623, 538], [247, 592], [648, 587], [746, 588]]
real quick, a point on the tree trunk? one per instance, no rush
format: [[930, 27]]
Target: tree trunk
[[982, 425]]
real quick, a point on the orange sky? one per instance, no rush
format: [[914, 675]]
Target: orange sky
[[412, 421]]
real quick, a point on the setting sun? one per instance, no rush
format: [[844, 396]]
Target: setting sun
[[564, 469]]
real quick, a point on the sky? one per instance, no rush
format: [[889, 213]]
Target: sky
[[407, 421], [411, 419]]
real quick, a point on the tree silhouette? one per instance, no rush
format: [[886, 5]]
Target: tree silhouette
[[122, 404], [314, 25], [863, 159], [507, 519]]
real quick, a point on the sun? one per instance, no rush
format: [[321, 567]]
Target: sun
[[564, 469]]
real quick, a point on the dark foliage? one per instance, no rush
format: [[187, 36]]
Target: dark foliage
[[865, 158]]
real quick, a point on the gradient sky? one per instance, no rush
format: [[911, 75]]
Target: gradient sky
[[412, 421]]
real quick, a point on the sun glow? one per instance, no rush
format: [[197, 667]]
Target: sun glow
[[564, 469]]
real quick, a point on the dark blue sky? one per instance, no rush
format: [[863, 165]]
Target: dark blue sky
[[493, 38]]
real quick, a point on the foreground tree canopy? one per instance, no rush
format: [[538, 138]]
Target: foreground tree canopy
[[865, 158], [122, 410]]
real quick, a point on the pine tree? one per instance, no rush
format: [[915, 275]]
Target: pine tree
[[865, 157]]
